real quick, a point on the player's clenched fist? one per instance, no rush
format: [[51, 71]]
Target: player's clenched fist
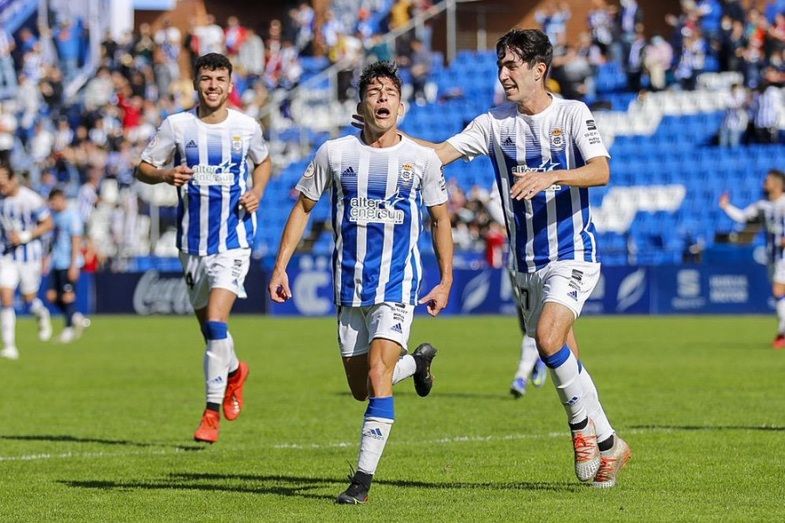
[[249, 201], [279, 287], [178, 176]]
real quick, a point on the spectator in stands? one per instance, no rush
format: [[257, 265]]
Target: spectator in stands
[[601, 25], [553, 18], [629, 17], [211, 36], [419, 63], [8, 124], [234, 36], [51, 87], [692, 60], [732, 45], [305, 19], [250, 58], [634, 59], [68, 38], [144, 44], [7, 72], [736, 117], [767, 114], [571, 71], [349, 52]]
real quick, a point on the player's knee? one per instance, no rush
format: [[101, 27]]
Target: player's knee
[[548, 342], [68, 297], [51, 295]]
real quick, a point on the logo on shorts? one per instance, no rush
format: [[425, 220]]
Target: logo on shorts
[[573, 294], [397, 328]]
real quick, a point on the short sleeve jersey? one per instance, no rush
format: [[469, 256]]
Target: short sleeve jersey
[[23, 212], [209, 216], [376, 196], [555, 224]]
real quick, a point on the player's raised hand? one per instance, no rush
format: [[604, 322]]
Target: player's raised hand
[[279, 287], [249, 201], [530, 183], [724, 200], [178, 176], [437, 299]]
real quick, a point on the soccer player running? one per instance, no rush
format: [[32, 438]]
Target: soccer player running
[[66, 263], [24, 219], [203, 153], [546, 153], [771, 211], [377, 183]]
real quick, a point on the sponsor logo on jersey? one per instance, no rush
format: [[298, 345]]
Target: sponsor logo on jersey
[[348, 172], [545, 166], [191, 144], [590, 125], [508, 142], [368, 210], [213, 174]]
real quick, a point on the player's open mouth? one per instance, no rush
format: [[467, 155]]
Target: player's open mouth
[[382, 113]]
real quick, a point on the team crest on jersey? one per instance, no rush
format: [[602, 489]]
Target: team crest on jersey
[[309, 171], [237, 143], [153, 141], [407, 172], [557, 139]]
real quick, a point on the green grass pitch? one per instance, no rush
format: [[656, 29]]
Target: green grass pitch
[[100, 430]]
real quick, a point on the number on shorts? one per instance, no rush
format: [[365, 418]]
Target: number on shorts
[[525, 298], [189, 280]]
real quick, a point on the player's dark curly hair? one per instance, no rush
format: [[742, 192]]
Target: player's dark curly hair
[[530, 45], [381, 69], [212, 61]]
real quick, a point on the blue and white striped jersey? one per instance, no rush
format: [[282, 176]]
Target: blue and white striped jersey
[[376, 196], [210, 219], [555, 224], [772, 213], [19, 213]]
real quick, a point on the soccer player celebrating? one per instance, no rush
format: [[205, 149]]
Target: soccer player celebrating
[[546, 153], [203, 154], [66, 262], [377, 183], [24, 218], [771, 211]]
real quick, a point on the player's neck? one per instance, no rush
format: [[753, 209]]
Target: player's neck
[[774, 195], [540, 101], [380, 140], [212, 116]]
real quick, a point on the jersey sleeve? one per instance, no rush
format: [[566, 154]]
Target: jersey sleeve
[[475, 139], [75, 227], [258, 150], [748, 214], [160, 151], [434, 188], [586, 137], [317, 176]]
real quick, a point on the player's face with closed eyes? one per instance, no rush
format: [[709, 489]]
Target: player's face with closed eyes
[[213, 87], [381, 105]]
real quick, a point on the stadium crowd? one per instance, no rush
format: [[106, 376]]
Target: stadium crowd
[[88, 144]]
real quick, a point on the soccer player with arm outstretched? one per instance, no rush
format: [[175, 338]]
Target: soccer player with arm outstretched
[[204, 153], [771, 211], [546, 153], [377, 182]]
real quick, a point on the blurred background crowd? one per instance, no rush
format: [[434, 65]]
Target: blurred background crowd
[[85, 135]]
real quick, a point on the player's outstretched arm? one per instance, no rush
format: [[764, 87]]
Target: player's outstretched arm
[[436, 300], [595, 173], [177, 176], [260, 176], [292, 233], [738, 215]]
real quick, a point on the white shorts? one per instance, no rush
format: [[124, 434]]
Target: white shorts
[[777, 272], [25, 275], [567, 282], [359, 326], [225, 270]]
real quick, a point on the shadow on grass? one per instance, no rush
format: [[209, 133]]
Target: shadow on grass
[[299, 486], [767, 428], [455, 395], [74, 439], [65, 438]]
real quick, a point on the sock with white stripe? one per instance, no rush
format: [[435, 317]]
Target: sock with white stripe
[[781, 313], [8, 326], [529, 357], [602, 426], [404, 368], [564, 371], [216, 360], [379, 417], [37, 308]]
